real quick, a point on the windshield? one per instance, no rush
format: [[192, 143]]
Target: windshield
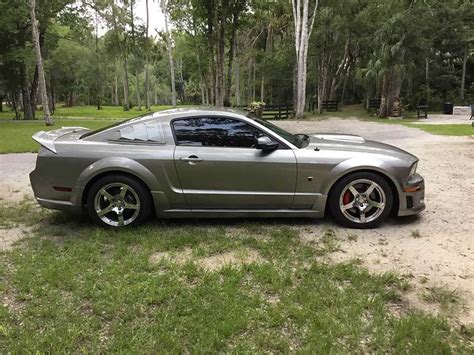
[[298, 140]]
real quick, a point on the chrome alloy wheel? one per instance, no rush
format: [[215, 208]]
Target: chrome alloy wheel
[[362, 201], [117, 204]]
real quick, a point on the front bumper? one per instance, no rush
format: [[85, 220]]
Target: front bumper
[[412, 202]]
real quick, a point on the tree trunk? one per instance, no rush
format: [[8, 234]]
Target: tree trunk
[[116, 97], [139, 103], [34, 90], [231, 63], [25, 94], [126, 103], [344, 83], [253, 79], [147, 79], [14, 99], [220, 60], [201, 81], [427, 79], [123, 54], [323, 82], [303, 25], [53, 96], [170, 54], [295, 85], [70, 101], [179, 73], [237, 71], [39, 63], [98, 81], [463, 77], [385, 100], [210, 40]]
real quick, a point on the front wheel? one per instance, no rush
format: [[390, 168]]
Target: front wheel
[[117, 201], [361, 200]]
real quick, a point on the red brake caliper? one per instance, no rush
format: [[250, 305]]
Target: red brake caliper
[[347, 198]]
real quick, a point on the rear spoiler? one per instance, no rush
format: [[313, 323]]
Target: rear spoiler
[[47, 138]]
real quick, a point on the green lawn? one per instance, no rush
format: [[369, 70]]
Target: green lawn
[[15, 137], [446, 129], [72, 287]]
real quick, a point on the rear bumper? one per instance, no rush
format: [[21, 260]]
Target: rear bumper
[[47, 197], [411, 203], [64, 206]]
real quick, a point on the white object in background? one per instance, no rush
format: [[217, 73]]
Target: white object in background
[[462, 110]]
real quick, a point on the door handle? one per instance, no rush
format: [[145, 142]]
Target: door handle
[[191, 159]]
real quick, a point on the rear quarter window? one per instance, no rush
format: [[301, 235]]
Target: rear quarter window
[[149, 132]]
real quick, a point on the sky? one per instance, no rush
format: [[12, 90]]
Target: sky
[[157, 20]]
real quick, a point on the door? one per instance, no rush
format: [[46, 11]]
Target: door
[[220, 167]]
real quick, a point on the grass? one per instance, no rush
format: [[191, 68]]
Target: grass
[[446, 129], [448, 300], [72, 287], [15, 136]]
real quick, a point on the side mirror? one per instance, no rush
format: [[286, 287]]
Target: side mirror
[[266, 144]]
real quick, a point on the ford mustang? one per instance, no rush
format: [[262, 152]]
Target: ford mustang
[[221, 163]]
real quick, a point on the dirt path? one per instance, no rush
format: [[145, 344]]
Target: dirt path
[[436, 246], [14, 176]]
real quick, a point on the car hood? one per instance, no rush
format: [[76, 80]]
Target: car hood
[[357, 144]]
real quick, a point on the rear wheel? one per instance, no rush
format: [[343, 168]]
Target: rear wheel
[[118, 201], [361, 200]]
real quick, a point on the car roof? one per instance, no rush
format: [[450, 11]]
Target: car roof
[[195, 111]]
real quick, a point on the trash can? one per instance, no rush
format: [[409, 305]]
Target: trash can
[[448, 108]]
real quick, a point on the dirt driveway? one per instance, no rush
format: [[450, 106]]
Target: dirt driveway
[[434, 249]]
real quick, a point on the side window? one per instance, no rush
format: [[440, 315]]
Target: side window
[[216, 132], [139, 133]]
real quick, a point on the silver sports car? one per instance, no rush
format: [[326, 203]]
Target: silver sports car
[[220, 163]]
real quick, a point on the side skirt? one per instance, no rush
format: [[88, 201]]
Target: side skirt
[[241, 213]]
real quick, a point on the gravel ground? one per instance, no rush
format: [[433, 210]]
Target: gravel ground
[[440, 253]]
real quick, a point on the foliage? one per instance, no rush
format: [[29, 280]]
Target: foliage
[[239, 51]]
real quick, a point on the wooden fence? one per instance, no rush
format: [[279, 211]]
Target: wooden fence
[[274, 112]]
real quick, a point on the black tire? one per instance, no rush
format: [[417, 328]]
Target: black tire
[[135, 206], [373, 214]]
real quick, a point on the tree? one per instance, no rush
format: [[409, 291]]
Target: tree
[[303, 24], [147, 55], [170, 53], [39, 64]]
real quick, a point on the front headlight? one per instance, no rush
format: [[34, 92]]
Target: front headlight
[[412, 170]]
